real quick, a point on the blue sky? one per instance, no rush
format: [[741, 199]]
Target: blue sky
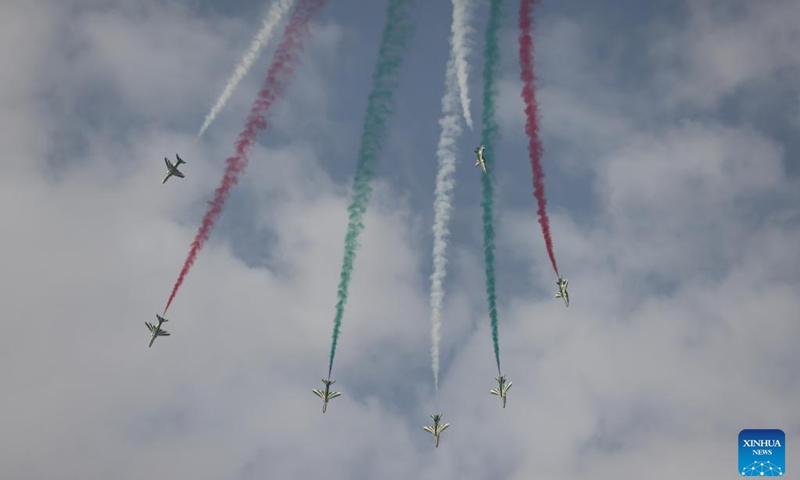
[[670, 131]]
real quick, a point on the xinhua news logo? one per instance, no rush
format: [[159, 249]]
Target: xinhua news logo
[[762, 453]]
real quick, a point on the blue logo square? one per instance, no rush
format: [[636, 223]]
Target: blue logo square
[[762, 453]]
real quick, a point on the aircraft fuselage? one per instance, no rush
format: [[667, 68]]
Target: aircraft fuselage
[[172, 169], [155, 330], [327, 394], [481, 162], [436, 429], [562, 290]]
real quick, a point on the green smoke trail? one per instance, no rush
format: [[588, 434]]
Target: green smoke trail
[[379, 107], [489, 136]]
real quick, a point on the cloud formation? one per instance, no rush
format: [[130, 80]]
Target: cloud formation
[[677, 224]]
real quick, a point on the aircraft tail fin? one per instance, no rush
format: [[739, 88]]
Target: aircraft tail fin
[[180, 160]]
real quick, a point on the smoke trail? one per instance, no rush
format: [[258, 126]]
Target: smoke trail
[[379, 106], [460, 29], [490, 135], [280, 72], [274, 16], [443, 204], [531, 124]]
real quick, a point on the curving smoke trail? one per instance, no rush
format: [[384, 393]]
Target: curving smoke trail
[[280, 72], [443, 205], [274, 16], [460, 29], [490, 135], [380, 106], [531, 124]]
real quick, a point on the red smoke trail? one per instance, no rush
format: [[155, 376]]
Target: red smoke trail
[[279, 74], [532, 125]]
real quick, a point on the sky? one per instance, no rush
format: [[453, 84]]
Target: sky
[[672, 174]]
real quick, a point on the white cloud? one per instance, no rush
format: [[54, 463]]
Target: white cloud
[[725, 46], [156, 59], [681, 329]]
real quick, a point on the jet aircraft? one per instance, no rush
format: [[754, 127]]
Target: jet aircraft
[[327, 394], [562, 290], [172, 169], [481, 162], [436, 429], [502, 388], [156, 329]]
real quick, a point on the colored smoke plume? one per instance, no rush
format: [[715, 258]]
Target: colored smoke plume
[[280, 72], [274, 16], [380, 105], [532, 123], [443, 206], [460, 46], [490, 135]]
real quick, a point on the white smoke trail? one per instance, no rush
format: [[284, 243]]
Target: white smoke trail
[[460, 44], [443, 205], [276, 13]]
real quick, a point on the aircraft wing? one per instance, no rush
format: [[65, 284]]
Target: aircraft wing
[[429, 430], [319, 393], [495, 392], [177, 174], [169, 164], [334, 395], [150, 326], [162, 333], [443, 426]]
